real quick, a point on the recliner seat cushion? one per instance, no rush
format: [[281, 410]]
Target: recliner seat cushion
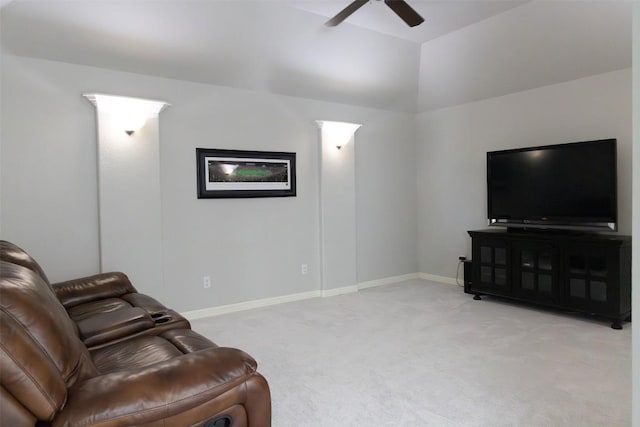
[[105, 328]]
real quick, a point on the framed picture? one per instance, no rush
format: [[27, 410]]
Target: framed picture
[[235, 173]]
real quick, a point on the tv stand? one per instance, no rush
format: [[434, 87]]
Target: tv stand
[[579, 272]]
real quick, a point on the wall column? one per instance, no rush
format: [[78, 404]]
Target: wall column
[[337, 208], [129, 198]]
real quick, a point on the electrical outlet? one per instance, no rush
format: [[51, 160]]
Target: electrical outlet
[[206, 282], [304, 268]]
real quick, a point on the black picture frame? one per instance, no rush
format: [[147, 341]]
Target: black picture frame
[[240, 174]]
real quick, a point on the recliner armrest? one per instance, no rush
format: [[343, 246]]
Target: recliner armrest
[[91, 288], [149, 304], [159, 391]]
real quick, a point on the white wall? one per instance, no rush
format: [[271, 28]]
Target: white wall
[[251, 248], [453, 142], [386, 198], [49, 180]]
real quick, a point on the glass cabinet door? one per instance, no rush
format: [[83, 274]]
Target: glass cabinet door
[[492, 270], [535, 271], [589, 279]]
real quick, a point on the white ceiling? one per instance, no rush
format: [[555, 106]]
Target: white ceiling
[[474, 49], [538, 44]]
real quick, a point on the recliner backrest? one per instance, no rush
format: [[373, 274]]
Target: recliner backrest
[[41, 354], [16, 255]]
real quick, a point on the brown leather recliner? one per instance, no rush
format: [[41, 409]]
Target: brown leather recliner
[[171, 376], [106, 307]]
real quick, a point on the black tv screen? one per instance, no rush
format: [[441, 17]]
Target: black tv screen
[[572, 186]]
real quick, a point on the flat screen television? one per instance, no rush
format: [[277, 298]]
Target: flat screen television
[[565, 186]]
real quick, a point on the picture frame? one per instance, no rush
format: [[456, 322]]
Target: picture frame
[[242, 174]]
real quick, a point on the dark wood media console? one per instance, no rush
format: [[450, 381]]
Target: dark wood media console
[[586, 273]]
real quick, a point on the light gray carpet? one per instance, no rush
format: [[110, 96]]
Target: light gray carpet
[[425, 354]]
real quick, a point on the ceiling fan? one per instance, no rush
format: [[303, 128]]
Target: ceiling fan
[[400, 7]]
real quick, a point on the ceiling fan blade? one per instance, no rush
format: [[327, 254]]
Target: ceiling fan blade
[[345, 13], [405, 12]]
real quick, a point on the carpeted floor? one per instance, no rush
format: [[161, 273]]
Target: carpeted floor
[[425, 354]]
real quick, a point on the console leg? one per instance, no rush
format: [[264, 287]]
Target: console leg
[[477, 297], [616, 325]]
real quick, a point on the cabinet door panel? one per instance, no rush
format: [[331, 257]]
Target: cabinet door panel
[[577, 288], [546, 284], [591, 280], [528, 281], [535, 271], [491, 274]]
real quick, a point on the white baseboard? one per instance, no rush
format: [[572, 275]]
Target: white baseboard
[[388, 280], [339, 291], [439, 279], [248, 305], [265, 302]]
